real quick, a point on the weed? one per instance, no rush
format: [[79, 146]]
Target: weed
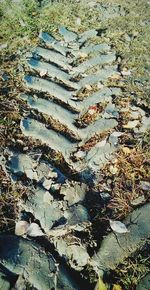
[[132, 168], [133, 269]]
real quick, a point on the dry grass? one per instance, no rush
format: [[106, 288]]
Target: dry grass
[[133, 269], [132, 166], [8, 200]]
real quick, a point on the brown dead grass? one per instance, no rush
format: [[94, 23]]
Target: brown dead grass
[[133, 269], [132, 166]]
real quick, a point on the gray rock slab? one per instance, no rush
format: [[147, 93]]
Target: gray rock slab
[[53, 57], [76, 255], [28, 259], [53, 72], [95, 48], [103, 95], [101, 75], [108, 257], [87, 35], [97, 127], [38, 131], [98, 60], [144, 283], [46, 86], [4, 282], [54, 110], [76, 214], [22, 163], [98, 97], [47, 211], [68, 36], [100, 154], [73, 193], [51, 42]]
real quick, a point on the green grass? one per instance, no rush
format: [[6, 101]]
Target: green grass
[[20, 26]]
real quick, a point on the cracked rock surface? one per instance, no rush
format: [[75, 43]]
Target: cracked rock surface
[[26, 258], [72, 118]]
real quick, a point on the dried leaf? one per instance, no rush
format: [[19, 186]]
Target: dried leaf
[[21, 228], [52, 174], [117, 134], [92, 110], [131, 124], [100, 285], [113, 169], [100, 85], [43, 72], [88, 87], [138, 200], [47, 183], [80, 154], [82, 54], [126, 150], [34, 230], [101, 143], [56, 186], [145, 185], [117, 287], [118, 227], [126, 72], [78, 21]]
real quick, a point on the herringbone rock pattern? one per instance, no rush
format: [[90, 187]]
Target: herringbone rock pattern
[[60, 73], [72, 111]]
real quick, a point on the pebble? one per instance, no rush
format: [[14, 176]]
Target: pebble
[[3, 46]]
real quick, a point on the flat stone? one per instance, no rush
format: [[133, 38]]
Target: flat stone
[[52, 43], [46, 69], [4, 282], [100, 75], [73, 193], [144, 283], [54, 140], [101, 153], [52, 56], [76, 255], [125, 244], [28, 259], [22, 163], [98, 60], [47, 213], [54, 110], [69, 36], [76, 214]]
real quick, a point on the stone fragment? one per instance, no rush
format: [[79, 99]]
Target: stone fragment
[[73, 193], [27, 258], [144, 284], [4, 281], [21, 228], [124, 245], [76, 214], [76, 255]]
